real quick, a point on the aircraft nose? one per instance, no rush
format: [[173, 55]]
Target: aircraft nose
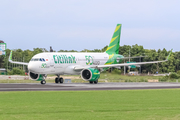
[[31, 67]]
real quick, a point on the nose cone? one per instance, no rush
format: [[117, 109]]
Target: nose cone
[[32, 67]]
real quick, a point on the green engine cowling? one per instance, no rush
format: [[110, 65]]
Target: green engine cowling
[[36, 77], [90, 74]]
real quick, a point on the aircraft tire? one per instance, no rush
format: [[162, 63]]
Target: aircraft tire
[[95, 82], [61, 80], [43, 82], [56, 80], [91, 82]]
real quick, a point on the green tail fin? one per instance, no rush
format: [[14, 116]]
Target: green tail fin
[[114, 44]]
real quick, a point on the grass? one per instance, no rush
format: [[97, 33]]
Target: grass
[[91, 105]]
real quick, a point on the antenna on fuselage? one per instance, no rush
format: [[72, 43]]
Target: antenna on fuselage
[[51, 50]]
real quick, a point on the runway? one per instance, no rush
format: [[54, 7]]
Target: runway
[[85, 86]]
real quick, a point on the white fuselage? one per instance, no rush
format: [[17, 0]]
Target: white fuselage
[[64, 63]]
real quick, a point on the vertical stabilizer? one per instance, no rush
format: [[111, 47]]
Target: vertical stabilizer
[[114, 44]]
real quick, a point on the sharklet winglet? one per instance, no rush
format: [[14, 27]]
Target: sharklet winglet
[[168, 57], [10, 56]]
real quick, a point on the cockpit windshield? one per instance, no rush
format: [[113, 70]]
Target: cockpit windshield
[[38, 59]]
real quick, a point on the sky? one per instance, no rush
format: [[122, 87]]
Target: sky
[[82, 24]]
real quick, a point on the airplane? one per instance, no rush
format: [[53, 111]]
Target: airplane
[[88, 65]]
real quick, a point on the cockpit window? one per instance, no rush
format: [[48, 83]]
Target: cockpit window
[[38, 59]]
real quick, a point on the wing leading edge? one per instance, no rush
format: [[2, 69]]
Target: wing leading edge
[[10, 60]]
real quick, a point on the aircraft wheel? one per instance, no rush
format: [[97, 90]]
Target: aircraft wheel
[[43, 82], [61, 80], [95, 82], [91, 82], [56, 80]]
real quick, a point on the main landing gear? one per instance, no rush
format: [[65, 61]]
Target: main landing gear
[[59, 79], [95, 82]]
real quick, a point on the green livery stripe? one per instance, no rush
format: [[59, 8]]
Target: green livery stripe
[[96, 73], [113, 39], [110, 47], [117, 28], [111, 56], [109, 63], [114, 44]]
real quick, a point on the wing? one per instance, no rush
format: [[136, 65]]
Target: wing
[[128, 64], [10, 60], [123, 64]]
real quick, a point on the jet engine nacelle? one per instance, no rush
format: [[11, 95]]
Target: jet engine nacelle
[[90, 74], [36, 77]]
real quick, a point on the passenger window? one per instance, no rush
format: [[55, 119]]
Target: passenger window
[[43, 59], [40, 59]]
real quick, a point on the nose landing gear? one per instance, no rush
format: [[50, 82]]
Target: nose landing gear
[[43, 81]]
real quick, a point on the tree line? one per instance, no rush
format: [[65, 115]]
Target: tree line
[[135, 50]]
